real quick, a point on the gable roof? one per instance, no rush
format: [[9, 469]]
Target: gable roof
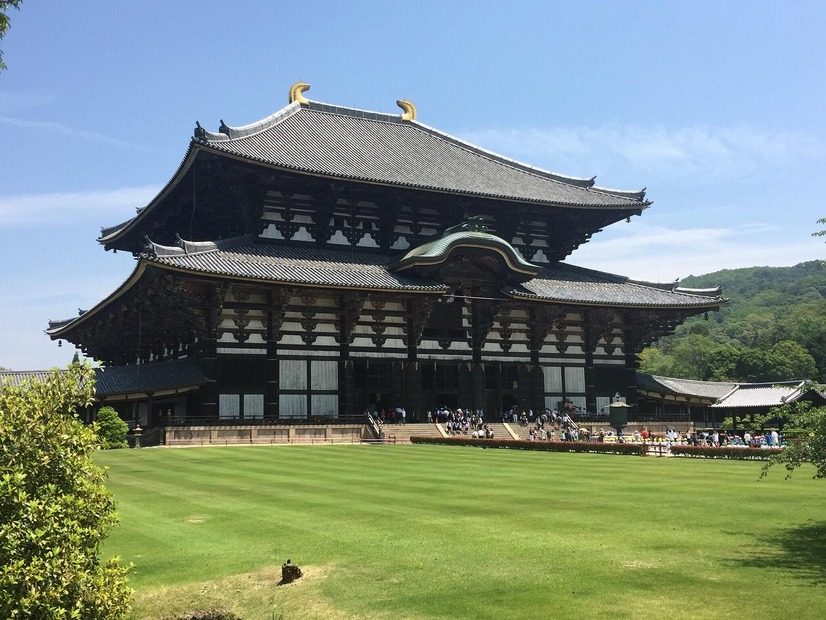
[[745, 395], [348, 143]]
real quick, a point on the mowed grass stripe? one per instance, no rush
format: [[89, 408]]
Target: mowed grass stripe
[[432, 531]]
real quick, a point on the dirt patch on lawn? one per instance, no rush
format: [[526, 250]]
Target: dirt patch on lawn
[[249, 595]]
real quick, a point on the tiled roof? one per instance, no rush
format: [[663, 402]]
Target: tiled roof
[[761, 395], [382, 148], [576, 284], [684, 387], [153, 377], [19, 377], [244, 258]]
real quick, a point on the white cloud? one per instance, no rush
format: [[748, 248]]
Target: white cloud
[[660, 254], [70, 132], [11, 102], [54, 207], [712, 152]]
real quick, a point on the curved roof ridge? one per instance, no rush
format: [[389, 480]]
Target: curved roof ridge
[[637, 194], [437, 251], [189, 248], [341, 110], [709, 292], [106, 233], [697, 381], [227, 132]]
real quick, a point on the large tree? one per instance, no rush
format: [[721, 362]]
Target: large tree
[[5, 5], [54, 509]]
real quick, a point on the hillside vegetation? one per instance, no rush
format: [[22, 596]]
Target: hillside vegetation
[[773, 329]]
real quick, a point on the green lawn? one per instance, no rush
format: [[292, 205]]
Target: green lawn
[[451, 532]]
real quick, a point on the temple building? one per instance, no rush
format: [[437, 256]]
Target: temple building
[[327, 260]]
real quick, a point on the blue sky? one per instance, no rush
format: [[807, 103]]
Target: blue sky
[[716, 107]]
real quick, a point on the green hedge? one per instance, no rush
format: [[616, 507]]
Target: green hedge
[[725, 452], [540, 446]]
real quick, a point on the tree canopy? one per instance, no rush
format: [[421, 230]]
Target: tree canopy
[[54, 509], [773, 329], [811, 448], [5, 22]]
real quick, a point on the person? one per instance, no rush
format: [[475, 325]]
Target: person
[[429, 417], [775, 439]]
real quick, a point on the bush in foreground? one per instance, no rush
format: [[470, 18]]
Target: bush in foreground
[[54, 509]]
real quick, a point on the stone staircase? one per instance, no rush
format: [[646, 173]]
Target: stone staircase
[[401, 433]]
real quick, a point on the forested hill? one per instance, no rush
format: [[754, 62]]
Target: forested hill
[[773, 328]]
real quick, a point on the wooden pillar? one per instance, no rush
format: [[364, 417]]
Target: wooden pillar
[[524, 380], [477, 382], [271, 388], [209, 366], [397, 384], [150, 422], [465, 391], [346, 388], [413, 392], [590, 383], [537, 388]]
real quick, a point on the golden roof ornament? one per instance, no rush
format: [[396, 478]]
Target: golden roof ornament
[[408, 110], [296, 90]]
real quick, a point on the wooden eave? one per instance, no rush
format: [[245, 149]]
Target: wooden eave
[[111, 241]]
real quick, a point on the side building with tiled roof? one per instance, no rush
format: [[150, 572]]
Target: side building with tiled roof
[[708, 403], [328, 260]]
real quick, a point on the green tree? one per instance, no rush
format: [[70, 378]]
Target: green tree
[[111, 429], [789, 361], [655, 362], [703, 358], [54, 509], [5, 5], [811, 449], [820, 233]]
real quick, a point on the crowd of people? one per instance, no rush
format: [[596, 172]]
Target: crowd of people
[[555, 425], [462, 422]]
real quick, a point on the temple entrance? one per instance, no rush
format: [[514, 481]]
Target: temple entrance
[[502, 389], [440, 385]]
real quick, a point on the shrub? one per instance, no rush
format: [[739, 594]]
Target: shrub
[[539, 446], [725, 452], [111, 429], [54, 509]]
